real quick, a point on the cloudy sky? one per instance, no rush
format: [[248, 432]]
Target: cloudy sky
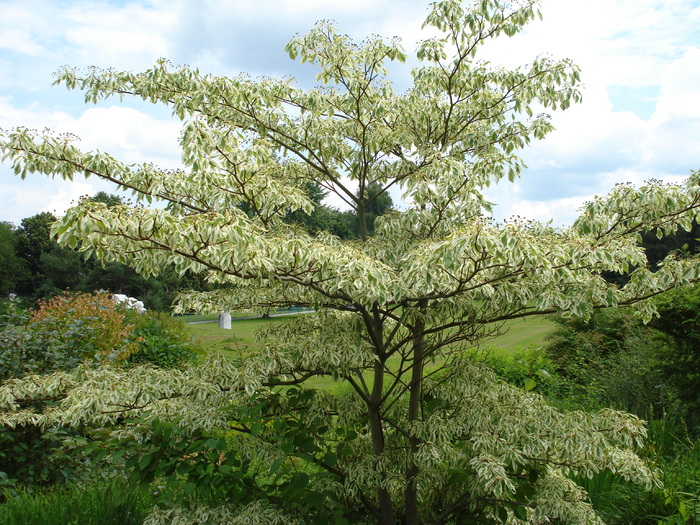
[[640, 61]]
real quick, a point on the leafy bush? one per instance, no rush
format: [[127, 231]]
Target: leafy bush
[[162, 341], [72, 329], [614, 360], [215, 468], [64, 332], [527, 367], [11, 308], [611, 360]]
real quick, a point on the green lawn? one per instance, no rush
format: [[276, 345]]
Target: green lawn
[[240, 340], [522, 332]]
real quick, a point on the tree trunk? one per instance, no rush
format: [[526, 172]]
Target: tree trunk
[[414, 406], [386, 506], [362, 220]]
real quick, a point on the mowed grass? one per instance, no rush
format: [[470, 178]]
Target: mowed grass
[[522, 332], [240, 340], [237, 342]]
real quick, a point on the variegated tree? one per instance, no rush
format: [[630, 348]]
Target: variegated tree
[[417, 431]]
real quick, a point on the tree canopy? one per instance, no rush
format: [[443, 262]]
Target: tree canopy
[[11, 268], [422, 433]]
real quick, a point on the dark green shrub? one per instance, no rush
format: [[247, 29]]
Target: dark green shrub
[[32, 457], [679, 363], [527, 367], [162, 341], [63, 333], [612, 360]]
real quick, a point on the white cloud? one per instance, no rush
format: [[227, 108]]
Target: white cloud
[[564, 210], [128, 134], [253, 9], [11, 116], [683, 75], [131, 135], [119, 37], [595, 146], [629, 44], [19, 41], [87, 33], [61, 199], [33, 196]]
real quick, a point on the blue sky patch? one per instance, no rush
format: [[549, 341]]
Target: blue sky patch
[[639, 100]]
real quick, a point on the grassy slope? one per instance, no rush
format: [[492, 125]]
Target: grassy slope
[[522, 332], [240, 340]]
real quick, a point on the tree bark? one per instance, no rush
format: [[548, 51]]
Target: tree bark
[[414, 406], [386, 506], [362, 220]]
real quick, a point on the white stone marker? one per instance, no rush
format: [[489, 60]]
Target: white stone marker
[[225, 320]]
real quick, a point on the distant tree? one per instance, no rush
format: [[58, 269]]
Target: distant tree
[[377, 202], [157, 292], [107, 198], [12, 268], [50, 268], [61, 269], [658, 247], [37, 266], [33, 239], [343, 224], [323, 218]]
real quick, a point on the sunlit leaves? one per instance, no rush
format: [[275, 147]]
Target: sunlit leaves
[[630, 211]]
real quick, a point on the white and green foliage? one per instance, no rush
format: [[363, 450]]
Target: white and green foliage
[[419, 433]]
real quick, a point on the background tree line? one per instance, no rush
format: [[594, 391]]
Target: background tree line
[[34, 266]]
